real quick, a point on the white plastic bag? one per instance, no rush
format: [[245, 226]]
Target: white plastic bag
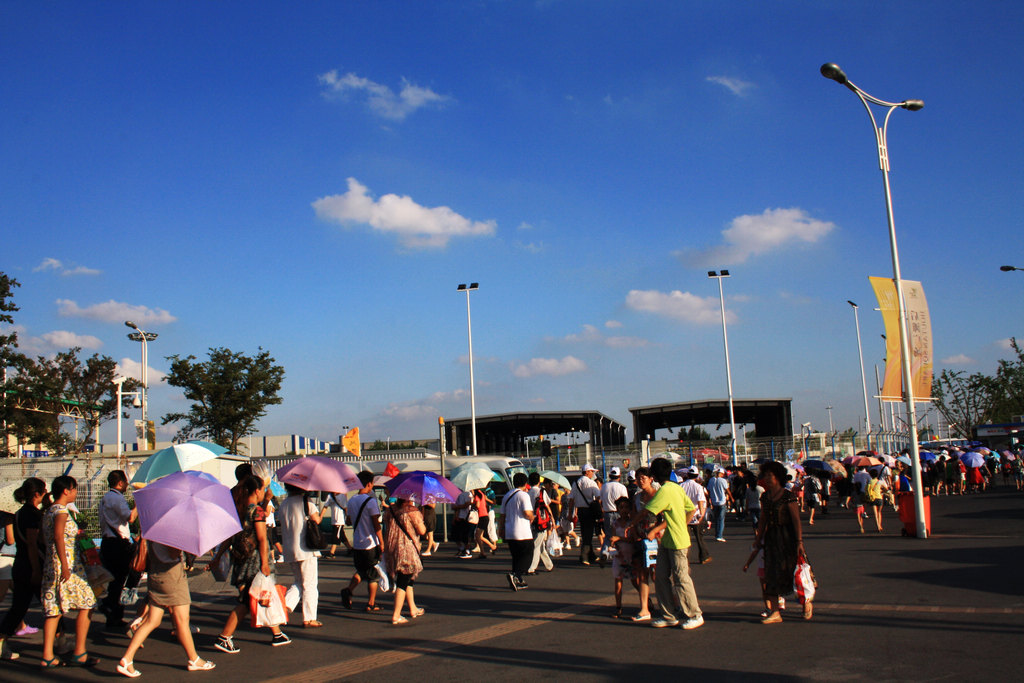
[[803, 582], [266, 602], [554, 544], [383, 580], [292, 597]]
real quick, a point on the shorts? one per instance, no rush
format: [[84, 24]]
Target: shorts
[[429, 518], [403, 581], [366, 561], [482, 524], [860, 509], [339, 537], [877, 503]]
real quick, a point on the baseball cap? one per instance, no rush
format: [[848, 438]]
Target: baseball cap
[[589, 468], [693, 470], [615, 471]]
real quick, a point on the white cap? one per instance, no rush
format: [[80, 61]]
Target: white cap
[[614, 472], [631, 474], [589, 468], [693, 470]]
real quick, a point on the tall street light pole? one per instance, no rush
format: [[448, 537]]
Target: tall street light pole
[[728, 372], [140, 335], [863, 378], [833, 72], [472, 390]]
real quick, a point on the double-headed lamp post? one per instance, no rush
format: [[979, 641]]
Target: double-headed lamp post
[[1010, 269], [718, 275], [472, 391], [863, 378], [140, 335], [833, 72]]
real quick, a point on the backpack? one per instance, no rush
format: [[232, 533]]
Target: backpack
[[542, 515]]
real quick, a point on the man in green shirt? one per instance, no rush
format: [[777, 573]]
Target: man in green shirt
[[674, 587]]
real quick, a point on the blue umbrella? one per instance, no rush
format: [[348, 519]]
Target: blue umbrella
[[972, 459], [423, 487], [926, 456]]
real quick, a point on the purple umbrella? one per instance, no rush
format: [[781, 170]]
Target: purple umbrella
[[972, 459], [317, 473], [423, 487], [188, 511]]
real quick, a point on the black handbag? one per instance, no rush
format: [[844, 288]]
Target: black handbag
[[314, 536]]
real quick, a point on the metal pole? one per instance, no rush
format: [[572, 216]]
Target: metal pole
[[119, 388], [472, 386], [728, 370], [863, 379], [835, 73]]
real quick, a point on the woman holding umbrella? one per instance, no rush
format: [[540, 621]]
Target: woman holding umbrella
[[402, 554], [780, 535], [250, 553]]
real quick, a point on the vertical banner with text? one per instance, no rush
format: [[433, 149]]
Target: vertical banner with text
[[920, 332], [351, 441]]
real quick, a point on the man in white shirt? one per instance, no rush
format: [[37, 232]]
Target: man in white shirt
[[611, 491], [517, 512], [584, 492], [364, 511], [695, 492], [116, 548]]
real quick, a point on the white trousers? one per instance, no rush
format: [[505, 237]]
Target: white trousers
[[306, 579]]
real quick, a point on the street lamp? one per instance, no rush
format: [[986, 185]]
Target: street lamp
[[472, 390], [833, 72], [1008, 269], [718, 275], [863, 379], [140, 335], [119, 383]]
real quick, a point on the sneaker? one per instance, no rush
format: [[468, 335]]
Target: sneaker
[[226, 645], [280, 639], [694, 622], [466, 555], [720, 539], [664, 623], [512, 583], [782, 603]]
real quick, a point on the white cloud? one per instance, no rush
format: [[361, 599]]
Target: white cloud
[[133, 368], [679, 306], [57, 266], [612, 324], [756, 234], [524, 226], [62, 339], [1005, 344], [737, 86], [381, 99], [591, 334], [549, 366], [531, 247], [958, 359], [416, 226], [115, 312]]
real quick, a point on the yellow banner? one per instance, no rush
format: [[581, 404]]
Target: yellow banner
[[351, 441], [920, 332]]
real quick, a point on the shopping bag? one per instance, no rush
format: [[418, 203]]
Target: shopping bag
[[803, 581], [266, 602], [554, 544], [222, 569], [383, 580], [129, 596]]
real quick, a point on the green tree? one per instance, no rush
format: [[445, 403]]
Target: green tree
[[10, 357], [1008, 387], [695, 434], [964, 400], [230, 392]]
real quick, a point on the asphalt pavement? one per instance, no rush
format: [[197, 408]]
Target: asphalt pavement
[[888, 608]]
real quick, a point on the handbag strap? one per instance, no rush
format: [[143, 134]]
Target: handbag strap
[[359, 514]]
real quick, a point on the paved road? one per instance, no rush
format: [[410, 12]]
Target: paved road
[[888, 608]]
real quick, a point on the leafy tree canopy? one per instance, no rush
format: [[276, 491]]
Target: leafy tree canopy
[[230, 392]]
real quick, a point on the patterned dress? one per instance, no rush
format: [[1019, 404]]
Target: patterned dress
[[60, 597], [780, 546], [245, 548], [402, 552]]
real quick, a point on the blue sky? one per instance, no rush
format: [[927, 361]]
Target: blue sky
[[316, 178]]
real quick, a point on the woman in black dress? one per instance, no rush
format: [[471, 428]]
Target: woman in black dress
[[780, 536]]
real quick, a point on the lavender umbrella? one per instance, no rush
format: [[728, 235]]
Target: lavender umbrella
[[317, 473], [188, 511], [423, 487]]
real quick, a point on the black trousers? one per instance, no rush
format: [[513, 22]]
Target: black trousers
[[115, 554], [522, 555], [697, 538], [587, 525], [22, 592]]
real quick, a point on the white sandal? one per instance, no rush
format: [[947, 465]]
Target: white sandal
[[127, 668], [195, 664]]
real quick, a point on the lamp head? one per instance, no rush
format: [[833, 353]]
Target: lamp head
[[712, 273], [913, 105], [851, 303], [136, 403], [1007, 269], [129, 323], [833, 72], [724, 273]]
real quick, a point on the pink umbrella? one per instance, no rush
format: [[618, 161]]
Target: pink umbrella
[[317, 473], [188, 510]]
